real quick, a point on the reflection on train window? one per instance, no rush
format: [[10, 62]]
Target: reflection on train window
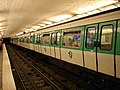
[[72, 38], [106, 37], [37, 39], [58, 38], [46, 39], [21, 39], [31, 39], [90, 37], [53, 38], [27, 39]]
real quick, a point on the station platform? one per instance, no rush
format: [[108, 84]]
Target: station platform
[[6, 77]]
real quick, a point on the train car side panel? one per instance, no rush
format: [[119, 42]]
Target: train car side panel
[[71, 56], [53, 51], [46, 50], [118, 52], [106, 63], [72, 45]]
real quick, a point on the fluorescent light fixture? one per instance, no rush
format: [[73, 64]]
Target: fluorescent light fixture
[[118, 4], [92, 6], [61, 17], [107, 31], [109, 7], [83, 15], [29, 30], [32, 33], [19, 33], [46, 22], [42, 25], [34, 30], [26, 31], [36, 27], [93, 12]]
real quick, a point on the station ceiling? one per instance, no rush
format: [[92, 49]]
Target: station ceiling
[[20, 15]]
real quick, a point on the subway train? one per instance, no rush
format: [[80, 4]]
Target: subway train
[[89, 46]]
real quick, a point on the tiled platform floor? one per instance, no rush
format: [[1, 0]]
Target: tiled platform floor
[[6, 77], [1, 61]]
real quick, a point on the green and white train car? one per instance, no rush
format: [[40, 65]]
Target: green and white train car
[[92, 43]]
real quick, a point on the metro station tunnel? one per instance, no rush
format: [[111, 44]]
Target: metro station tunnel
[[59, 44]]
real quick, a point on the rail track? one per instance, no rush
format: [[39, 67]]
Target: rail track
[[37, 75], [31, 77]]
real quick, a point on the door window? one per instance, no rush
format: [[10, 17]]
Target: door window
[[53, 38], [58, 39], [106, 37], [37, 39], [31, 37], [91, 37]]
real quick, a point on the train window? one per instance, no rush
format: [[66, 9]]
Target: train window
[[37, 39], [46, 39], [106, 37], [53, 38], [71, 38], [31, 39], [90, 37], [27, 39], [22, 39], [58, 38]]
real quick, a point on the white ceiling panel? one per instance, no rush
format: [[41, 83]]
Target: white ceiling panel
[[18, 15]]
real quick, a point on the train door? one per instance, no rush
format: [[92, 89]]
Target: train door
[[58, 45], [32, 40], [106, 49], [39, 45], [45, 43], [36, 45], [53, 37], [90, 46], [55, 44]]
